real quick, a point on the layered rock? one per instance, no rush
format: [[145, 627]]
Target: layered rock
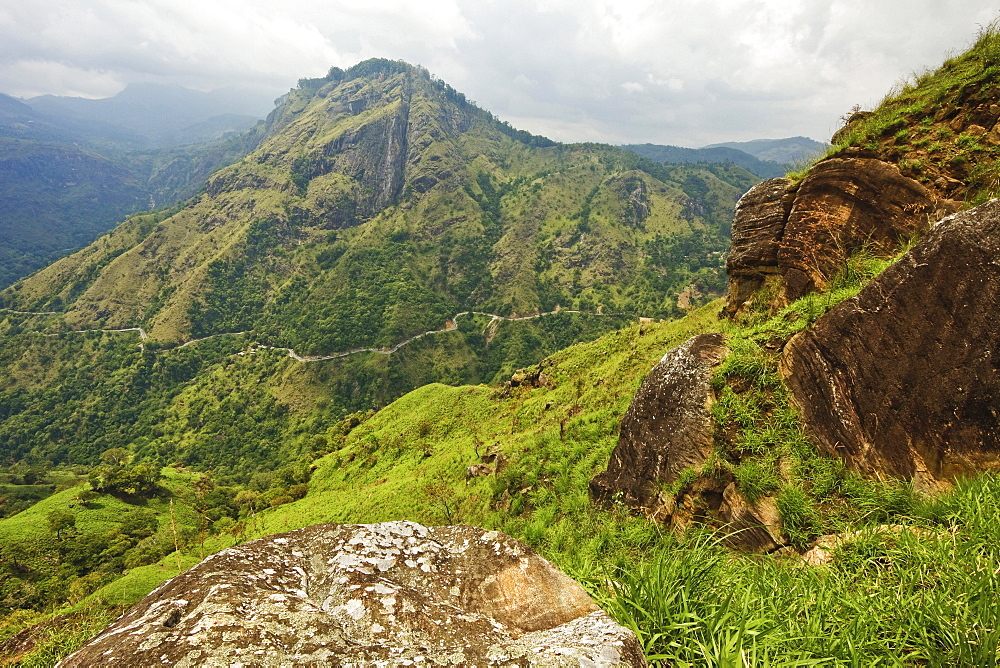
[[843, 205], [395, 593], [758, 225], [805, 233], [902, 380], [668, 426]]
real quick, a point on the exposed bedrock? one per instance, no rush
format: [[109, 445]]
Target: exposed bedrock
[[902, 380], [669, 428], [396, 593], [805, 233], [758, 225], [843, 205]]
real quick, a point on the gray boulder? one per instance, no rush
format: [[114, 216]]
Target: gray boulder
[[396, 593], [668, 426]]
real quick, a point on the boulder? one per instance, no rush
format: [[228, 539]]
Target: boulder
[[758, 225], [804, 234], [903, 380], [842, 205], [396, 593], [668, 426]]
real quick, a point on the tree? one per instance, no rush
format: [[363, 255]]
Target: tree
[[61, 521], [120, 478], [116, 457]]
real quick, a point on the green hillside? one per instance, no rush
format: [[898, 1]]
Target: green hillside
[[554, 427], [337, 329], [381, 206], [383, 202]]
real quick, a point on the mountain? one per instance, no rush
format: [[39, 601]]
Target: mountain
[[384, 167], [145, 116], [765, 422], [382, 234], [65, 180], [790, 151], [379, 206], [765, 169]]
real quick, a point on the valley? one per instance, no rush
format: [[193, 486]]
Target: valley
[[395, 307]]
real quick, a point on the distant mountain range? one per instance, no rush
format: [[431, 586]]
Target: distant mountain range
[[788, 151], [71, 168], [150, 116], [767, 158]]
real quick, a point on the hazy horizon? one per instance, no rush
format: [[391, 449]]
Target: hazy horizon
[[679, 73]]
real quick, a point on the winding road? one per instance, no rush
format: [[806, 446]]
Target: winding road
[[450, 325]]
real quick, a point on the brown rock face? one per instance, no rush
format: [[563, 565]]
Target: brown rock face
[[804, 234], [752, 525], [903, 379], [668, 426], [758, 225], [842, 205], [395, 593]]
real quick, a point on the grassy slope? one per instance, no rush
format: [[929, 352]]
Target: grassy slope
[[938, 125], [923, 595], [409, 460]]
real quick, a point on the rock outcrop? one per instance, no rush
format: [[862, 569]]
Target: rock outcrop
[[668, 426], [758, 225], [395, 593], [842, 205], [805, 233], [903, 380]]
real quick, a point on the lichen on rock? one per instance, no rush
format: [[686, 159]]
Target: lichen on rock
[[395, 593], [668, 426]]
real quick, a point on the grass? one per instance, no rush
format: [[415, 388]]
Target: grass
[[925, 125], [924, 595], [52, 638], [409, 460], [887, 599]]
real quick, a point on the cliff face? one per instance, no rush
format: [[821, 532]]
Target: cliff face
[[803, 233], [899, 381]]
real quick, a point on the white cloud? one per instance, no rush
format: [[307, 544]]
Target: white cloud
[[38, 77], [670, 71]]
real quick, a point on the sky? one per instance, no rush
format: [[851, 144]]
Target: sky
[[687, 73]]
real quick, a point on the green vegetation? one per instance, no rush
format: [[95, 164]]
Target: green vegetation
[[939, 124], [298, 247], [922, 592], [58, 197], [553, 431], [191, 449]]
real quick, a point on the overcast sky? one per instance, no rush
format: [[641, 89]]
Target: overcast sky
[[664, 71]]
